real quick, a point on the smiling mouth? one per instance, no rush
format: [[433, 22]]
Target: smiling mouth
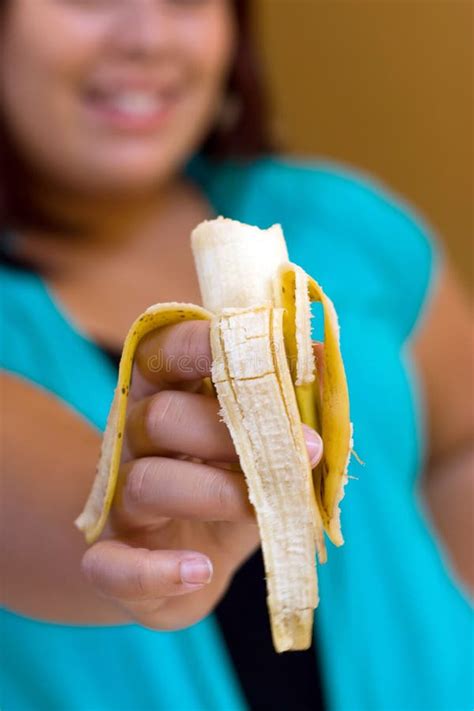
[[132, 109]]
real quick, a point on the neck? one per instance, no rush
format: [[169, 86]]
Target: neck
[[76, 226], [100, 217]]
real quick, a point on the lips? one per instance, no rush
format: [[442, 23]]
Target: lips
[[136, 103], [130, 108]]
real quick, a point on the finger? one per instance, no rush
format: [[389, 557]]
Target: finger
[[318, 350], [314, 445], [178, 422], [156, 487], [137, 574], [180, 353]]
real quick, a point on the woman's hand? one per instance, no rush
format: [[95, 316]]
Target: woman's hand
[[182, 522]]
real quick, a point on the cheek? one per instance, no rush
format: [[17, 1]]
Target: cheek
[[210, 47], [47, 46], [44, 55], [51, 48]]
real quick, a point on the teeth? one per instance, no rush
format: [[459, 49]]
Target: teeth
[[136, 103]]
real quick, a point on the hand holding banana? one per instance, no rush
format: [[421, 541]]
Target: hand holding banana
[[263, 371]]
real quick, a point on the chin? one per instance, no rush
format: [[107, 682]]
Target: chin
[[123, 178], [134, 180]]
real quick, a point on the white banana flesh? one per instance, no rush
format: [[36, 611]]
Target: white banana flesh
[[254, 388], [264, 376]]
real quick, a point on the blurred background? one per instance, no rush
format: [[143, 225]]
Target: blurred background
[[387, 86]]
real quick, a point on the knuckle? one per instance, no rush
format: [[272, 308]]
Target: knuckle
[[136, 485], [225, 496], [193, 339], [162, 408], [191, 336], [143, 575], [91, 563]]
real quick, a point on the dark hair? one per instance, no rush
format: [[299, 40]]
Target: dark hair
[[248, 134], [244, 135]]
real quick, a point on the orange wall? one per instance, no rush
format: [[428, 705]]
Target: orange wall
[[386, 85]]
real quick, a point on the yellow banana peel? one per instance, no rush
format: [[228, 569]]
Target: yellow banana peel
[[263, 373]]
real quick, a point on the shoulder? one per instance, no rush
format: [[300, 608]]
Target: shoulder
[[346, 222], [20, 292], [332, 194], [30, 322], [341, 196], [21, 315]]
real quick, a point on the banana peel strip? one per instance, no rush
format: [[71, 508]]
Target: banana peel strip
[[291, 294], [294, 290], [329, 417], [93, 519], [336, 426]]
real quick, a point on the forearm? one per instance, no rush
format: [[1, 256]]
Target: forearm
[[448, 492], [41, 563], [41, 577], [48, 461]]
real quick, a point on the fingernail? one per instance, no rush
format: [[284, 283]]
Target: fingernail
[[314, 445], [196, 570]]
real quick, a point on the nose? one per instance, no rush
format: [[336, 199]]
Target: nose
[[140, 28]]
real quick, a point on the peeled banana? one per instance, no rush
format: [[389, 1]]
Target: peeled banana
[[264, 375]]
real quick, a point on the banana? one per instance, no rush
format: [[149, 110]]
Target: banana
[[264, 375]]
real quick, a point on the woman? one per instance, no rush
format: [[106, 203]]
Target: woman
[[111, 111]]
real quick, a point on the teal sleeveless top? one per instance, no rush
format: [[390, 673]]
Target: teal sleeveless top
[[393, 628]]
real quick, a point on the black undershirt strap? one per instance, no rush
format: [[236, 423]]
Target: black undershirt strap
[[270, 681]]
